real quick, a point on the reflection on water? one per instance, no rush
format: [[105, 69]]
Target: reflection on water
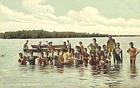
[[111, 76], [133, 71]]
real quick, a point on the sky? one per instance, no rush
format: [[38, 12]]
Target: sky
[[91, 16]]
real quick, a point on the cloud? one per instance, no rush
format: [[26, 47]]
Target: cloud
[[43, 16]]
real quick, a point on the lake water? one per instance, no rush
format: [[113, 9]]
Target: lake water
[[14, 76]]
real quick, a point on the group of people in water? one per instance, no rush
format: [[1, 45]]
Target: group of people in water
[[98, 57]]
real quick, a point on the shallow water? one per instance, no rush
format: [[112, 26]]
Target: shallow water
[[14, 76]]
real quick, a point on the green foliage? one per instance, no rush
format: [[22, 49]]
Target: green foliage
[[45, 34]]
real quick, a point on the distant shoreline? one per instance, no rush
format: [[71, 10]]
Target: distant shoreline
[[41, 34], [72, 37]]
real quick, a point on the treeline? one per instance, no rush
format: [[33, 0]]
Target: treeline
[[45, 34]]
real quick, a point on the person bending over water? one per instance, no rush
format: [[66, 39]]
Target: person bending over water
[[133, 52], [42, 59], [111, 46], [61, 58], [118, 53], [93, 46], [22, 59], [31, 59]]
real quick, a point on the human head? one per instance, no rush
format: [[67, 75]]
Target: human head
[[50, 43], [131, 44], [42, 54], [102, 57], [40, 42], [67, 41], [27, 41], [109, 37], [85, 50], [77, 48], [104, 47], [117, 44], [99, 48], [31, 53], [57, 52], [94, 40], [72, 51], [20, 55], [64, 43], [80, 43], [46, 41]]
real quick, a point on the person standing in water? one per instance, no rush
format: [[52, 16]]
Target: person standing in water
[[85, 57], [111, 46], [93, 46], [133, 52], [118, 53], [68, 45], [78, 57], [25, 47], [81, 48]]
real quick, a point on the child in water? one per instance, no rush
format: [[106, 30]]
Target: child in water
[[22, 59], [118, 53], [85, 57], [56, 58], [133, 52], [78, 57]]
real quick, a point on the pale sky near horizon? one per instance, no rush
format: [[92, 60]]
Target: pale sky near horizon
[[99, 16]]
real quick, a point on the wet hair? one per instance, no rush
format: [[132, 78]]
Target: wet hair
[[68, 41], [99, 47], [118, 43], [85, 49], [64, 42], [72, 51], [27, 41], [104, 45], [80, 42], [20, 53], [94, 39], [42, 53], [131, 43]]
